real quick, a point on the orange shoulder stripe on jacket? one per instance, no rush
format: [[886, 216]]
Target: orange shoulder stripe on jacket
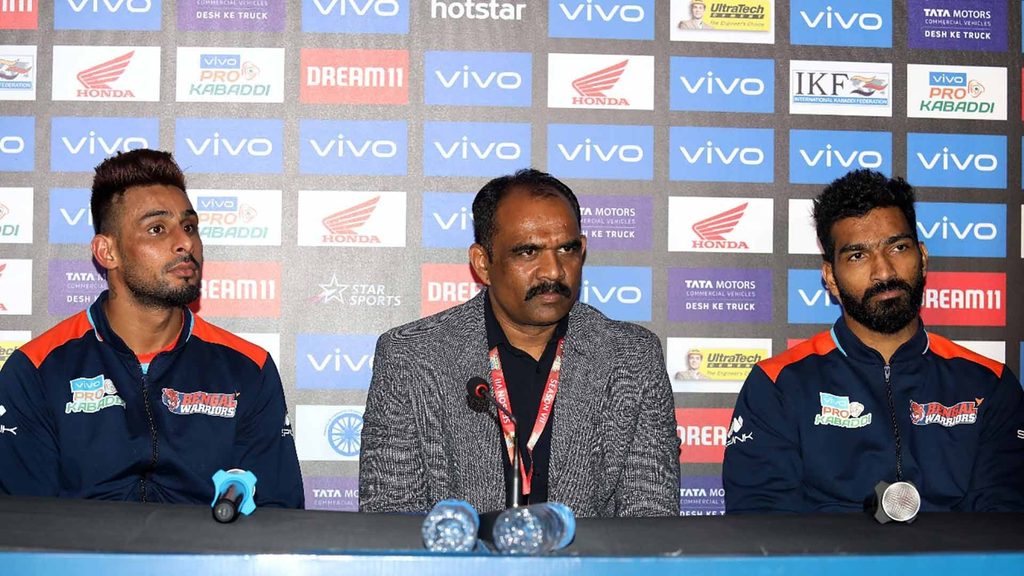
[[216, 335], [820, 344], [68, 329], [948, 349]]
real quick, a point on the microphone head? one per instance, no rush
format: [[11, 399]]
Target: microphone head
[[477, 387], [899, 502]]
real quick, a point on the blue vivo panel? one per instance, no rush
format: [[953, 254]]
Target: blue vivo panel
[[722, 154], [609, 19], [216, 145], [353, 147], [356, 16], [956, 160], [478, 79], [601, 151], [841, 23], [78, 144], [722, 85], [474, 148], [821, 156]]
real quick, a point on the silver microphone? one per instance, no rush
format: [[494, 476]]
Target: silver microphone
[[896, 502]]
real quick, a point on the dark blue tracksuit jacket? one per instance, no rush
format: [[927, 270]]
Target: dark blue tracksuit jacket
[[81, 419], [812, 430]]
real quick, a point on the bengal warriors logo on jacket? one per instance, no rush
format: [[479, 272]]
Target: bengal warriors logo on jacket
[[935, 413], [185, 403]]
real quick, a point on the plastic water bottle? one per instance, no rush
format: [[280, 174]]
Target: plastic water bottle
[[451, 526], [534, 529]]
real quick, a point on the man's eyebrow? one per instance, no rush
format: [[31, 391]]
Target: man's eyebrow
[[860, 247], [574, 243], [525, 246]]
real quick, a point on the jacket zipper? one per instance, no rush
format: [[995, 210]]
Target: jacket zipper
[[152, 435], [895, 424]]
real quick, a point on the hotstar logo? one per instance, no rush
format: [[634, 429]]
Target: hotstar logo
[[591, 87], [712, 230], [98, 78], [343, 225]]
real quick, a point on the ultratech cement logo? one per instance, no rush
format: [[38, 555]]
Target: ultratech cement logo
[[841, 412], [106, 73], [230, 75], [608, 19], [713, 364], [346, 218], [331, 76], [965, 299], [746, 21], [445, 285], [840, 88], [90, 395], [476, 10], [967, 92], [238, 217], [199, 402], [948, 416], [608, 82], [17, 72], [19, 14], [732, 225], [240, 289]]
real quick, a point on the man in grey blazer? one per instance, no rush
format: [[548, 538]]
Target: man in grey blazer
[[596, 428]]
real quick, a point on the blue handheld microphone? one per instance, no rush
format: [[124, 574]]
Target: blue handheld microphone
[[233, 492]]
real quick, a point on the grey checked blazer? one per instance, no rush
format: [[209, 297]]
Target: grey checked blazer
[[614, 449]]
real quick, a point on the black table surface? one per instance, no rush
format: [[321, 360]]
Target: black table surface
[[46, 524]]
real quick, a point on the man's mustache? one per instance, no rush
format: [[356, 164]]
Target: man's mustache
[[894, 284], [186, 259], [548, 287]]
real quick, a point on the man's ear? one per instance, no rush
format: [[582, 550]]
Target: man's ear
[[104, 251], [481, 263], [828, 276], [924, 259]]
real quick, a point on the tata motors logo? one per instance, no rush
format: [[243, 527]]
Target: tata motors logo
[[330, 433], [106, 73], [475, 148], [965, 299], [238, 217], [231, 15], [353, 147], [841, 23], [15, 287], [478, 79], [702, 433], [617, 222], [19, 14], [808, 301], [356, 16], [840, 88], [240, 290], [701, 496], [608, 81], [722, 85], [962, 230], [106, 14], [334, 361], [447, 219], [230, 75], [223, 145], [821, 156], [70, 218], [330, 76], [445, 285], [79, 144], [956, 160], [605, 19], [619, 292], [348, 218], [966, 92], [596, 151], [337, 493], [16, 215], [17, 143], [74, 285], [17, 72], [722, 154], [957, 25], [720, 295], [713, 224]]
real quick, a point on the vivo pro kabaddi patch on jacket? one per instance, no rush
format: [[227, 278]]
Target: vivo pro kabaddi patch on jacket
[[91, 395], [948, 416], [839, 411], [185, 403]]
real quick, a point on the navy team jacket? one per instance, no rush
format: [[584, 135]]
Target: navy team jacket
[[80, 419], [813, 432]]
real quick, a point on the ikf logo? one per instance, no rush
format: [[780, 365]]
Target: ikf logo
[[17, 143], [356, 16], [619, 292], [841, 23], [219, 145], [230, 75], [445, 285], [702, 433], [447, 219], [79, 144], [840, 88], [964, 230], [967, 92], [965, 299], [238, 217], [956, 160], [19, 14], [240, 290], [809, 301], [70, 218], [106, 14], [106, 73], [15, 287], [334, 361], [478, 79], [17, 72], [16, 215], [712, 224], [722, 154], [347, 218], [475, 148], [353, 147], [328, 432], [605, 19], [601, 81], [722, 85], [332, 76], [821, 156], [597, 151]]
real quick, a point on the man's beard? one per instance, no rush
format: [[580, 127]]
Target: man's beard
[[885, 316], [162, 295]]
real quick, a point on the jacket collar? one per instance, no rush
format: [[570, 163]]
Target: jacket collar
[[104, 333], [852, 347]]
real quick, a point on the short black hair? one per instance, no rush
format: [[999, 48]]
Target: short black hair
[[140, 167], [856, 194], [538, 183]]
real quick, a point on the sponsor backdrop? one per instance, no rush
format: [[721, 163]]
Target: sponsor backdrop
[[333, 148]]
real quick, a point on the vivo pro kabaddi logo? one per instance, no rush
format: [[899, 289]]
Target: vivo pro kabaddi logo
[[91, 395], [185, 403], [840, 411]]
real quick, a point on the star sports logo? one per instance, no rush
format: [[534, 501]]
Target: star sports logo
[[97, 79], [712, 231], [344, 225], [592, 87]]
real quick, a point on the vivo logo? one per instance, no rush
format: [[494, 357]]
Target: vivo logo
[[711, 84], [226, 61], [830, 157], [447, 219], [340, 147], [17, 144], [722, 84], [474, 148], [820, 156], [591, 294], [334, 361], [353, 147], [467, 78], [947, 230], [601, 151], [465, 149], [808, 300], [956, 160], [619, 292], [478, 79], [947, 160], [93, 144], [592, 151], [217, 145], [820, 295], [74, 220], [709, 153], [963, 230], [611, 19], [700, 154], [947, 79], [12, 145], [831, 18], [590, 12], [133, 6], [218, 203], [383, 8], [461, 220], [337, 360]]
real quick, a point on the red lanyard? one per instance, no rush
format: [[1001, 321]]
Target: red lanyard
[[547, 402]]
